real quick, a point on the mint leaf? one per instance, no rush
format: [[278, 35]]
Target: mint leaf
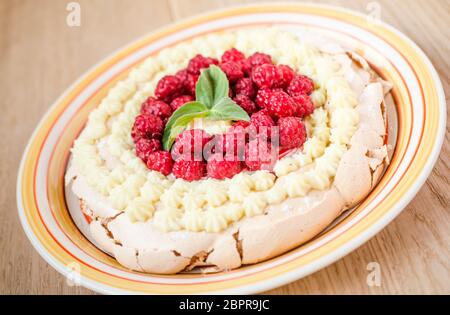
[[188, 112], [212, 86], [179, 126], [226, 109]]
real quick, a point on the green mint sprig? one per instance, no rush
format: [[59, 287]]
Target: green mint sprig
[[212, 102]]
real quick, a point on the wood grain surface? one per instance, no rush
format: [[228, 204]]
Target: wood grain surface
[[40, 56]]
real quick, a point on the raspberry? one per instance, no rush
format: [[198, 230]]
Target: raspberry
[[189, 170], [189, 84], [259, 155], [262, 97], [190, 143], [214, 145], [258, 59], [292, 132], [232, 55], [158, 108], [246, 87], [232, 70], [199, 62], [168, 88], [304, 105], [246, 66], [182, 75], [262, 126], [180, 101], [220, 167], [147, 126], [240, 126], [266, 76], [144, 147], [300, 84], [281, 104], [160, 161], [232, 143], [246, 103], [287, 74], [260, 120]]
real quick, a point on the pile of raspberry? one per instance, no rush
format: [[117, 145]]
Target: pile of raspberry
[[276, 98]]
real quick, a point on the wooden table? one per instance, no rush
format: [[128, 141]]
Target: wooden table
[[40, 56]]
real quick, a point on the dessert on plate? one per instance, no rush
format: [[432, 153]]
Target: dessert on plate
[[229, 149]]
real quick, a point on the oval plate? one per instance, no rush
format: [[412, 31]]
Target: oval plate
[[421, 111]]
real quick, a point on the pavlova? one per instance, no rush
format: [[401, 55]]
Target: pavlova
[[229, 149]]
